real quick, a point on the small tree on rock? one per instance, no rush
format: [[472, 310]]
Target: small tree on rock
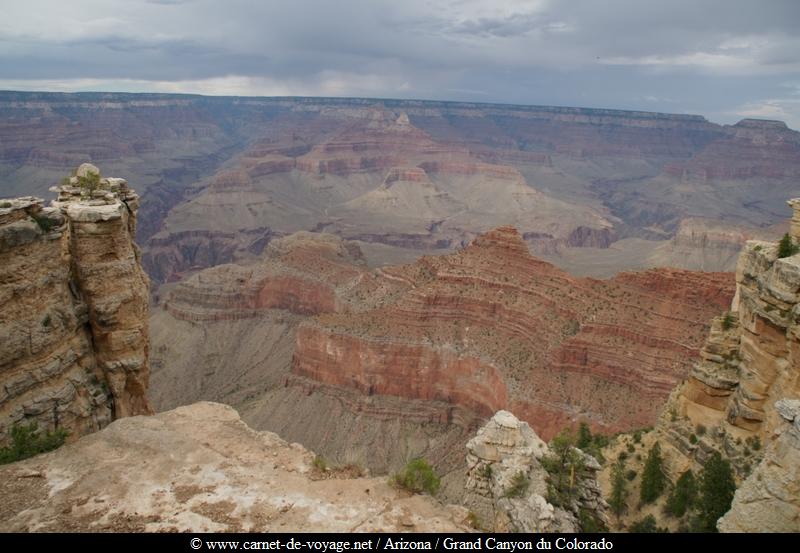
[[717, 489], [787, 247], [619, 490], [653, 479]]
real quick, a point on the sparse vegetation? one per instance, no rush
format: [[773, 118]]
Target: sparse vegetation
[[27, 441], [787, 247], [44, 223], [700, 429], [519, 485], [46, 320], [565, 466], [474, 521], [727, 321], [589, 522], [319, 463], [417, 477], [683, 496], [592, 444], [90, 182], [653, 479], [758, 248], [647, 525], [619, 490], [630, 475], [717, 488], [5, 204], [486, 471]]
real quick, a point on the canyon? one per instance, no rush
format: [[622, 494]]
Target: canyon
[[594, 191], [380, 365], [376, 280]]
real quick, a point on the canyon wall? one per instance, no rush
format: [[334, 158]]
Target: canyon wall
[[740, 398], [73, 327], [492, 327], [440, 342]]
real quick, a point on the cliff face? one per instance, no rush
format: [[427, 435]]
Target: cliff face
[[491, 327], [742, 391], [769, 500], [73, 328]]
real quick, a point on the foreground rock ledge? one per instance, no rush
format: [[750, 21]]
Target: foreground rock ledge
[[200, 468]]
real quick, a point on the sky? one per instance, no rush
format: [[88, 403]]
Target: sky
[[724, 59]]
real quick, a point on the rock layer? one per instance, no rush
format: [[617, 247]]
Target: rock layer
[[75, 308], [743, 390], [491, 327]]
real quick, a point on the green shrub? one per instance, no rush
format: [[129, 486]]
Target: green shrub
[[647, 526], [683, 496], [474, 521], [631, 448], [486, 471], [787, 247], [618, 488], [717, 488], [519, 485], [90, 182], [565, 466], [584, 436], [417, 477], [319, 463], [589, 523], [700, 429], [5, 204], [727, 321], [27, 441], [653, 479], [46, 321], [630, 475], [693, 438], [44, 223]]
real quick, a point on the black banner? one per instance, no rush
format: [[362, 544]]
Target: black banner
[[339, 543]]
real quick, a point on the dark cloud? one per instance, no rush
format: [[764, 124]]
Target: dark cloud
[[720, 58]]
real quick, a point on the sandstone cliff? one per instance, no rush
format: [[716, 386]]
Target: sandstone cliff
[[492, 327], [740, 394], [201, 469], [73, 328]]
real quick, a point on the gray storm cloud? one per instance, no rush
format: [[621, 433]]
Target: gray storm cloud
[[724, 59]]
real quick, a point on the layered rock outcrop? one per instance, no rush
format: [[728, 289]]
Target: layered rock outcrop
[[508, 486], [740, 397], [73, 327], [769, 500], [201, 469], [491, 327]]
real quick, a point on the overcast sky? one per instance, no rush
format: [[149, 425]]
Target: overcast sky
[[724, 59]]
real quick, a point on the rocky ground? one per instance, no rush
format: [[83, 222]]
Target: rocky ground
[[200, 468]]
